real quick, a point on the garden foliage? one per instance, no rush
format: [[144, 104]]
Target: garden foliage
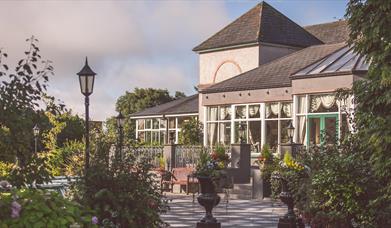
[[38, 208], [191, 132], [348, 184], [123, 192]]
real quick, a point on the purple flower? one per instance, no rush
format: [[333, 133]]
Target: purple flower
[[16, 208], [94, 220]]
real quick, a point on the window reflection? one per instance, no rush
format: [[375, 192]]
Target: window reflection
[[254, 111], [272, 133], [240, 112]]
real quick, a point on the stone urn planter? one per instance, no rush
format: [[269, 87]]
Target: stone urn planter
[[289, 220], [208, 199]]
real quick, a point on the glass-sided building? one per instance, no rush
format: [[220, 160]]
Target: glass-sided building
[[306, 97], [263, 71], [155, 125]]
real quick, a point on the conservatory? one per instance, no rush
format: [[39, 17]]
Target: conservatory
[[309, 102], [262, 72], [161, 124]]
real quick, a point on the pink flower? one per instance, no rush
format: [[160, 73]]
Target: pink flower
[[16, 208]]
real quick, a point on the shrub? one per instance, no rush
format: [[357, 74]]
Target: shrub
[[38, 208], [123, 192]]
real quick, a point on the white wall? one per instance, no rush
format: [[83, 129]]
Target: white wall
[[269, 53], [221, 65]]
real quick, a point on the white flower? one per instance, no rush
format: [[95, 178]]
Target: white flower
[[5, 185]]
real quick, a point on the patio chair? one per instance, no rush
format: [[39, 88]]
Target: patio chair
[[166, 181], [184, 177]]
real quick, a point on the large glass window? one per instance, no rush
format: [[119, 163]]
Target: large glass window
[[225, 133], [218, 125], [171, 123], [272, 133], [212, 113], [249, 118], [153, 131], [302, 129], [240, 131], [148, 124], [140, 124], [254, 111], [278, 116], [272, 110], [286, 110], [155, 124], [254, 132], [212, 133], [141, 136], [240, 112], [284, 131], [323, 119], [302, 102], [225, 113]]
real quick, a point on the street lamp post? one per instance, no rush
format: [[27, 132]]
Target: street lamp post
[[36, 133], [120, 124], [86, 80], [289, 220], [291, 131]]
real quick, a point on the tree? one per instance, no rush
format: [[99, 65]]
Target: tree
[[369, 23], [142, 98], [23, 103], [179, 95], [73, 130]]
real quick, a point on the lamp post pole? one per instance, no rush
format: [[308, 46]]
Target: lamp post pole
[[121, 140], [86, 80], [87, 119], [120, 124], [36, 133]]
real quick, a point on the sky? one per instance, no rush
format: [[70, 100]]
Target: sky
[[130, 43]]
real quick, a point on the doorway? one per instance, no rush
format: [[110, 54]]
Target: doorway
[[322, 129]]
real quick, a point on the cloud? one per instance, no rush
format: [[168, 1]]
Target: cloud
[[129, 44]]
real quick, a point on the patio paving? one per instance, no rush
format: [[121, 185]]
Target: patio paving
[[237, 213]]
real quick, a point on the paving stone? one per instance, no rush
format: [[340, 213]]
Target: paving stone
[[237, 213]]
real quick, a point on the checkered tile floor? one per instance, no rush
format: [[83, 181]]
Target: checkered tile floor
[[237, 213]]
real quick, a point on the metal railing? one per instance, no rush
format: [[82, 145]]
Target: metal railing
[[187, 155], [150, 154]]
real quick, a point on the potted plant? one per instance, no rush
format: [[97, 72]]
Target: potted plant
[[267, 165], [207, 173], [221, 159]]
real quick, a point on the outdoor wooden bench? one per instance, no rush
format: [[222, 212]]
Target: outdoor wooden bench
[[184, 177]]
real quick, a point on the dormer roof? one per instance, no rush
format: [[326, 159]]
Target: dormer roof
[[263, 23], [331, 32]]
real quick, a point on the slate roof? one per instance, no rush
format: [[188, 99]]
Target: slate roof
[[276, 73], [340, 62], [330, 33], [262, 23], [186, 105]]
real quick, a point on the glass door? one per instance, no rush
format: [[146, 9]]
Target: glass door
[[322, 129]]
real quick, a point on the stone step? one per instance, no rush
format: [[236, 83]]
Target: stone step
[[240, 187], [233, 196]]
